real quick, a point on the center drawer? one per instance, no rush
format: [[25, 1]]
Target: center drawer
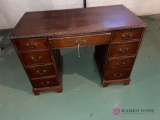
[[96, 39]]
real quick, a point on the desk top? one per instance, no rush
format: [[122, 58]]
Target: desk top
[[59, 23]]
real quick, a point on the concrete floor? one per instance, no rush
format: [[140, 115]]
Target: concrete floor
[[83, 98]]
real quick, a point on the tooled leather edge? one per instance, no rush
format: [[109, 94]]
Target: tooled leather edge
[[73, 32]]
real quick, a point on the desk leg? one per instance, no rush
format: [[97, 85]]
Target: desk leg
[[121, 81]]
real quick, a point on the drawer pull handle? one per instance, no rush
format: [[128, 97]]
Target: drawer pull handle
[[78, 46], [117, 76], [31, 46], [36, 60], [121, 64], [81, 42], [126, 37], [41, 72], [123, 51], [84, 41], [45, 84], [79, 54]]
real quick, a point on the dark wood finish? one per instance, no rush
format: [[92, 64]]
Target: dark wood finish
[[123, 49], [121, 63], [82, 21], [100, 57], [44, 82], [57, 88], [29, 44], [127, 35], [117, 74], [120, 81], [114, 30], [40, 71], [87, 40], [36, 57]]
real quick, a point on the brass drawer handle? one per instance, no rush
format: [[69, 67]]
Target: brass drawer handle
[[122, 51], [45, 84], [117, 75], [36, 60], [121, 64], [32, 46], [77, 42], [41, 72], [127, 37], [81, 42], [84, 41]]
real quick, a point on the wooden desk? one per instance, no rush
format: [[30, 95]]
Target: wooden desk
[[115, 32]]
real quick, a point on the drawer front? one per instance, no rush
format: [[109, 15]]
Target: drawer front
[[40, 71], [81, 40], [127, 35], [122, 49], [121, 63], [36, 57], [46, 82], [29, 44], [118, 74]]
